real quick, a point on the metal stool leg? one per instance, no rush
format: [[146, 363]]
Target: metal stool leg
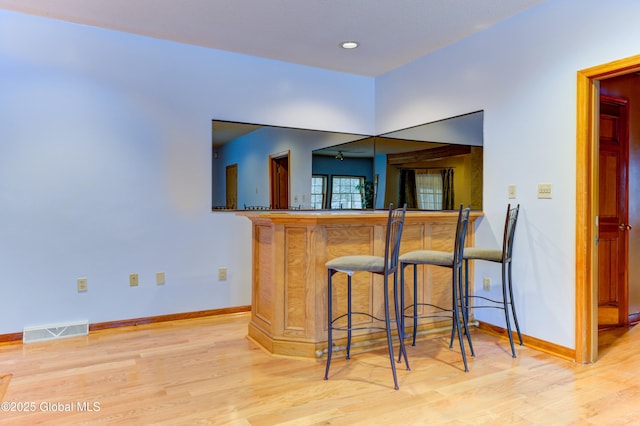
[[464, 301], [506, 309], [415, 303], [349, 316], [400, 313], [466, 288], [387, 322], [513, 308], [456, 319], [329, 325], [464, 311], [399, 306]]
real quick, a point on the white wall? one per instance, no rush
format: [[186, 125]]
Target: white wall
[[522, 73], [105, 167], [105, 155]]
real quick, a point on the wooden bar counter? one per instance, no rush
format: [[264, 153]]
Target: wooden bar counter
[[289, 279]]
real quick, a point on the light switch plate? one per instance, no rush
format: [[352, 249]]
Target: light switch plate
[[544, 190]]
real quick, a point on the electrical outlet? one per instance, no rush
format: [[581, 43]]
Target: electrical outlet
[[82, 285], [160, 278], [133, 280], [486, 284], [222, 274]]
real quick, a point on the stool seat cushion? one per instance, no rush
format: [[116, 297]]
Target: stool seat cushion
[[483, 253], [428, 257], [349, 264]]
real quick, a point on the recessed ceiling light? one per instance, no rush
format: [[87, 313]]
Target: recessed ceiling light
[[349, 44]]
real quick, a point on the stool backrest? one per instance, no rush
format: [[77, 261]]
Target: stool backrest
[[461, 234], [395, 224], [509, 232]]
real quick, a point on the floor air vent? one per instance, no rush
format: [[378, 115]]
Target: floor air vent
[[52, 332]]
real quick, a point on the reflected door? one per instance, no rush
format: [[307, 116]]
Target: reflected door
[[279, 181], [231, 186]]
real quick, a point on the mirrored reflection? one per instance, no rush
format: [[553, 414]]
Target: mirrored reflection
[[434, 166]]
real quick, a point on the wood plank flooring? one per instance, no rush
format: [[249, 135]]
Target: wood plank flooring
[[205, 371]]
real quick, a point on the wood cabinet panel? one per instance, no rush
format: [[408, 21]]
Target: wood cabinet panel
[[296, 275], [263, 291]]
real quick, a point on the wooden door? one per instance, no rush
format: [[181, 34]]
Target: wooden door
[[279, 181], [613, 212], [231, 185]]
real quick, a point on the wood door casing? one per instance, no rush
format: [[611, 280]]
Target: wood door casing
[[613, 212]]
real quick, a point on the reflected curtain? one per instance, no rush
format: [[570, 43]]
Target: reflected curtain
[[447, 189], [429, 189], [408, 189]]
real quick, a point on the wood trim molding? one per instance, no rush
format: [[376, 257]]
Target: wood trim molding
[[586, 187], [587, 202], [530, 342], [427, 154], [12, 337]]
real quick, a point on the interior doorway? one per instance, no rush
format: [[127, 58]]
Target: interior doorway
[[587, 201], [279, 180]]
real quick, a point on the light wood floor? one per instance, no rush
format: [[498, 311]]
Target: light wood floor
[[205, 371]]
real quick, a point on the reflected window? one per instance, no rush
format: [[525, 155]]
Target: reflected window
[[429, 190], [345, 192], [318, 191]]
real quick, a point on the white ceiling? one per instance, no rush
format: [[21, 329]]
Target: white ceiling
[[391, 32]]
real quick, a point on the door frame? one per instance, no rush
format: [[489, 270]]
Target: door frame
[[587, 153]]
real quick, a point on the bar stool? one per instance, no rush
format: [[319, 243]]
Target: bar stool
[[451, 260], [504, 257], [378, 265]]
